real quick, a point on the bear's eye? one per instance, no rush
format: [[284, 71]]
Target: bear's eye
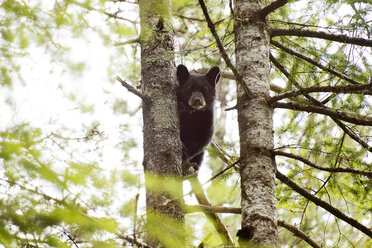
[[204, 91], [201, 89]]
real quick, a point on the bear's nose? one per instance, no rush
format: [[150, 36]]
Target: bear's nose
[[196, 100]]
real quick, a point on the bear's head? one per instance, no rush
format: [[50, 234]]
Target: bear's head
[[197, 91]]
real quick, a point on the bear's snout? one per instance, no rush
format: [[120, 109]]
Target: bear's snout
[[197, 100]]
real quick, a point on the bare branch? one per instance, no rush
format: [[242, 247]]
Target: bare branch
[[36, 191], [228, 62], [279, 66], [356, 119], [359, 89], [311, 61], [272, 7], [125, 1], [273, 87], [298, 233], [319, 202], [225, 158], [321, 35], [221, 172], [311, 164], [131, 89], [116, 16], [134, 241], [352, 135], [190, 18], [132, 41], [70, 238], [212, 209]]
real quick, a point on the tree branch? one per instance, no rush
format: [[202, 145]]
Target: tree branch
[[231, 210], [132, 41], [321, 35], [298, 233], [273, 87], [125, 1], [115, 16], [212, 209], [224, 55], [360, 89], [190, 18], [303, 192], [337, 213], [338, 122], [356, 119], [134, 241], [272, 7], [131, 89], [311, 164], [352, 134], [198, 191], [291, 24], [311, 61]]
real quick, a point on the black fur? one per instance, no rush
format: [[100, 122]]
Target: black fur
[[196, 96]]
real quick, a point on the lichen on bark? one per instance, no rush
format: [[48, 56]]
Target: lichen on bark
[[161, 138], [259, 221]]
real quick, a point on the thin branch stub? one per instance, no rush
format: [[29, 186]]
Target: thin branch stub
[[131, 89]]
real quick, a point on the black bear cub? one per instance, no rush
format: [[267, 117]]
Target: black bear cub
[[196, 95]]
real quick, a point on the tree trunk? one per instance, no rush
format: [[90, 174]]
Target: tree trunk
[[259, 221], [162, 145]]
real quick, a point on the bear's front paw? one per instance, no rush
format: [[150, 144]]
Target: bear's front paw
[[188, 169]]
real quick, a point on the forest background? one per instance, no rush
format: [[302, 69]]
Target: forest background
[[71, 135]]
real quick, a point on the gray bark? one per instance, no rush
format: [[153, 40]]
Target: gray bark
[[162, 145], [259, 220]]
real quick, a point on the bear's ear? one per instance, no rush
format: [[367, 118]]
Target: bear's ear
[[213, 75], [182, 73]]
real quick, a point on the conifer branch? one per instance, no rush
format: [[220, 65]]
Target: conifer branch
[[319, 202], [298, 233], [311, 164], [313, 62], [338, 122], [131, 89], [304, 25], [272, 7], [348, 117], [345, 89], [224, 55], [321, 35]]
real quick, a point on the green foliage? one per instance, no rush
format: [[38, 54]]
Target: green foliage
[[168, 231], [26, 207], [54, 192]]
